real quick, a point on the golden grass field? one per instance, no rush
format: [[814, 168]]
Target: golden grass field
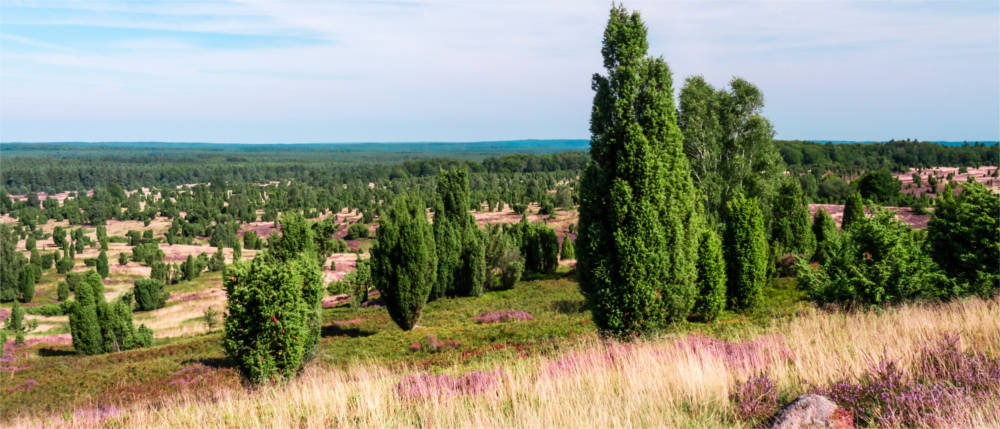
[[668, 381]]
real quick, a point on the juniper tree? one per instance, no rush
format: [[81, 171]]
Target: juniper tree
[[790, 226], [854, 210], [404, 261], [102, 264], [824, 231], [568, 252], [638, 229], [711, 298], [746, 253], [460, 250]]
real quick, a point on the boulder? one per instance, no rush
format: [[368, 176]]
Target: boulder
[[812, 411]]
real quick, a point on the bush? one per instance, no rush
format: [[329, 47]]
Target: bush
[[273, 321], [790, 226], [65, 265], [48, 310], [356, 231], [854, 210], [877, 261], [568, 252], [540, 246], [102, 264], [62, 291], [147, 253], [504, 263], [99, 327], [461, 269], [160, 272], [48, 260], [217, 262], [824, 230], [149, 294], [404, 261], [746, 253], [962, 237], [29, 276], [711, 299], [122, 258]]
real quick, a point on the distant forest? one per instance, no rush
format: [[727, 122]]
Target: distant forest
[[59, 167]]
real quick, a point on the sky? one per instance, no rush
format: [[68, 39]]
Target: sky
[[367, 71]]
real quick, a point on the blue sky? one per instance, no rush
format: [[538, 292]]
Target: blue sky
[[342, 71]]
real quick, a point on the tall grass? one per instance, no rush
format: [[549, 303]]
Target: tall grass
[[682, 380]]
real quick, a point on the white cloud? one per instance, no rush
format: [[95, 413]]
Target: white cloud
[[479, 70]]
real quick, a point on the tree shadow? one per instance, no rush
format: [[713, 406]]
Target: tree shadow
[[217, 363], [345, 331], [569, 306], [46, 352]]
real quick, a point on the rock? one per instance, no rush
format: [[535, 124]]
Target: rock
[[812, 411]]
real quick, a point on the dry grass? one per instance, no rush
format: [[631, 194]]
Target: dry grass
[[664, 382]]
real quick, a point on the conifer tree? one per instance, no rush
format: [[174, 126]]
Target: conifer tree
[[746, 253], [404, 261], [638, 232], [568, 252], [854, 210], [711, 298], [102, 264], [460, 249], [824, 231]]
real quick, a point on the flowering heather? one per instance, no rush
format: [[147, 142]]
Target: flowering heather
[[938, 391], [756, 399], [422, 386], [503, 316], [434, 345], [28, 384], [750, 355], [613, 354]]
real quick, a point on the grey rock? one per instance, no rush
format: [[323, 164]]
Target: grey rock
[[811, 411]]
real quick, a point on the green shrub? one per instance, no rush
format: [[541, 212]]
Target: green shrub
[[356, 231], [217, 262], [48, 310], [504, 263], [824, 230], [963, 237], [854, 210], [149, 294], [16, 320], [147, 253], [62, 291], [159, 272], [568, 252], [539, 244], [101, 327], [790, 225], [102, 264], [877, 261], [461, 269], [711, 299], [746, 253], [122, 258], [48, 260], [404, 261], [273, 321]]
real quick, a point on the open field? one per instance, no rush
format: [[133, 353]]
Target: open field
[[550, 371]]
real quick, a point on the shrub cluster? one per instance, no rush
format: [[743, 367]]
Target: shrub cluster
[[149, 294], [101, 327]]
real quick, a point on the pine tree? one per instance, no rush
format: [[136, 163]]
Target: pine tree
[[638, 232], [102, 264], [854, 210], [568, 252], [746, 253], [404, 261]]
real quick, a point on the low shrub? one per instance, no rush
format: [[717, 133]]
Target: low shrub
[[149, 294]]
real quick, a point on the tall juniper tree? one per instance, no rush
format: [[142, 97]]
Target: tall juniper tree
[[639, 226], [404, 262], [460, 251]]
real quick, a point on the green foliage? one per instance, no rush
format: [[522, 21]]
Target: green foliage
[[159, 272], [29, 243], [357, 284], [711, 298], [404, 261], [250, 240], [728, 143], [64, 265], [218, 261], [824, 230], [12, 263], [273, 306], [539, 245], [638, 228], [854, 210], [746, 253], [101, 327], [879, 186], [296, 239], [963, 237], [211, 318], [877, 261], [123, 258], [62, 291], [567, 252], [29, 276], [149, 294], [147, 253], [16, 320], [504, 262], [48, 259], [460, 252], [790, 228], [356, 231], [102, 264]]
